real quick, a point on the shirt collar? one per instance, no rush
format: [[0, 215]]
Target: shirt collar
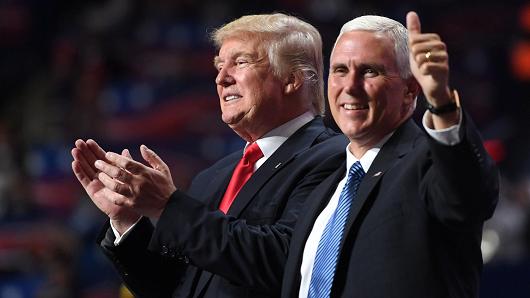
[[272, 140], [368, 158]]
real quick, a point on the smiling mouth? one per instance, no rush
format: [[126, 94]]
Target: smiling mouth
[[353, 107], [231, 97]]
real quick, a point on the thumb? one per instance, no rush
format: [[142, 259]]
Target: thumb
[[126, 153], [413, 22], [154, 160]]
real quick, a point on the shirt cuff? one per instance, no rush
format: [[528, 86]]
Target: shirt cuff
[[447, 136], [119, 238]]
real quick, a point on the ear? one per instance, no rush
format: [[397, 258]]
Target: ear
[[412, 89], [292, 83]]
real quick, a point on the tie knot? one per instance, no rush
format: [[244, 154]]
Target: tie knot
[[356, 171], [252, 153]]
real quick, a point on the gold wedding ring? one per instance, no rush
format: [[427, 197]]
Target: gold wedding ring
[[428, 55]]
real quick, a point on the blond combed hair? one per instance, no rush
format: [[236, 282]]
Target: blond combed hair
[[293, 47]]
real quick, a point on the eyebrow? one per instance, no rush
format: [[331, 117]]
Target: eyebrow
[[217, 60], [377, 66], [338, 64]]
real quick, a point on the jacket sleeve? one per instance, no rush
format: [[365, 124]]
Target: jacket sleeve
[[144, 273], [461, 185]]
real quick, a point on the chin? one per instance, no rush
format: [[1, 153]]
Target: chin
[[352, 132]]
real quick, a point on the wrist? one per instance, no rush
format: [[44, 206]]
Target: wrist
[[449, 106], [123, 224], [447, 119]]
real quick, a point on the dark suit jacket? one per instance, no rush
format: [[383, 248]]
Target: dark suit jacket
[[197, 251], [415, 225]]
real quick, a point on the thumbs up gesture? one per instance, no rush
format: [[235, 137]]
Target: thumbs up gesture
[[429, 62]]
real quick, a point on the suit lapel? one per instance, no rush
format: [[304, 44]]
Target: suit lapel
[[316, 202], [396, 147], [301, 140], [315, 206], [220, 181]]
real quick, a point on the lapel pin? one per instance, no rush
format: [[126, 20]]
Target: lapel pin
[[377, 174], [278, 165]]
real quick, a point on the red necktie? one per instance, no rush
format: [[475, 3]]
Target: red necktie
[[242, 173]]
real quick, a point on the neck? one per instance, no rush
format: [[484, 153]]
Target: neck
[[359, 146], [251, 133], [358, 150]]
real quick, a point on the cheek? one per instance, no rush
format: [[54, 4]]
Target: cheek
[[378, 96], [333, 90], [373, 90]]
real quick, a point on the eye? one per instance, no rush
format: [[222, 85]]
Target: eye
[[241, 62], [370, 72], [340, 70], [219, 67]]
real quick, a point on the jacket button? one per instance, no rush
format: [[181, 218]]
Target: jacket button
[[183, 259], [165, 250]]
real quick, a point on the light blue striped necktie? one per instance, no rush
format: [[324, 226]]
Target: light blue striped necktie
[[328, 247]]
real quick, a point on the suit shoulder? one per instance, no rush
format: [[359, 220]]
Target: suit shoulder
[[224, 162], [326, 134], [333, 148], [332, 142]]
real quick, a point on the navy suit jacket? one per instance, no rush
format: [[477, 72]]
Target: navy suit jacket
[[415, 225], [197, 251]]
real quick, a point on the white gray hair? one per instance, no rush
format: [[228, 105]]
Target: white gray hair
[[389, 28]]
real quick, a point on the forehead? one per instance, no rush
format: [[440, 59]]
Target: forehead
[[235, 46], [364, 46]]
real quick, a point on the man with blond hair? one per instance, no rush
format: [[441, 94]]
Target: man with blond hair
[[228, 235]]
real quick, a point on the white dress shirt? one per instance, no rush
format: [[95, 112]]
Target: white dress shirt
[[268, 144], [447, 136]]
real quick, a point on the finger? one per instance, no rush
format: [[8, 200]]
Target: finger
[[117, 199], [88, 169], [120, 201], [413, 23], [114, 185], [90, 157], [434, 57], [124, 162], [96, 149], [154, 160], [113, 171], [434, 69], [423, 38], [80, 174], [126, 153], [428, 46]]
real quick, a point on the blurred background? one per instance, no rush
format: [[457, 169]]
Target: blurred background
[[127, 73]]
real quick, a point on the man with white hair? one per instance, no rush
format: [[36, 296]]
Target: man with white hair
[[403, 215], [218, 239]]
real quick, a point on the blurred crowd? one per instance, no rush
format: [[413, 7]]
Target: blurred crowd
[[131, 72]]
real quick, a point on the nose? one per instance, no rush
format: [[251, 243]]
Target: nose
[[353, 83], [224, 78]]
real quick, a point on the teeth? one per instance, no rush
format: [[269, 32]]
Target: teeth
[[348, 106], [232, 97]]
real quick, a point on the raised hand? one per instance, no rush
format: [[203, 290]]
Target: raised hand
[[85, 154], [429, 62], [134, 185]]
